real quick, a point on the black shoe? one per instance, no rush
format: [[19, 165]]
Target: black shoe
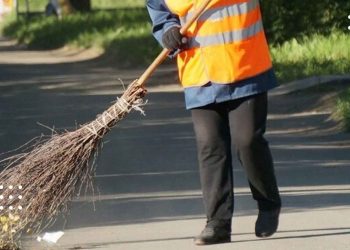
[[213, 235], [267, 223]]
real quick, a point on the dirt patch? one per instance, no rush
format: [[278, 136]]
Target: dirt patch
[[320, 99]]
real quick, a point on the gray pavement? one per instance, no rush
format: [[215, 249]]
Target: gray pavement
[[147, 184]]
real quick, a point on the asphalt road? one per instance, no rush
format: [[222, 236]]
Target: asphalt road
[[147, 185]]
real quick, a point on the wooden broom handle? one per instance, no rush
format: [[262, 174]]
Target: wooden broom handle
[[165, 52]]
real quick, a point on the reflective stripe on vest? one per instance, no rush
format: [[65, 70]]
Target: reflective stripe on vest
[[226, 44], [226, 37], [223, 11]]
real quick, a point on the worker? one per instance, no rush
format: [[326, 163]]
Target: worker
[[53, 8], [225, 69]]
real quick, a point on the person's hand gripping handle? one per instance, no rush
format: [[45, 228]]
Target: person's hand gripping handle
[[165, 52], [173, 39]]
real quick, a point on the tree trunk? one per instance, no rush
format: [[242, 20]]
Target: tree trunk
[[27, 8], [17, 8]]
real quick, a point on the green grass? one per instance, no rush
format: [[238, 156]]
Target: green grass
[[109, 4], [39, 5], [343, 109], [34, 5], [313, 55]]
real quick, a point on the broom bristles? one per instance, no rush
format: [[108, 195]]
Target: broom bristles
[[47, 173]]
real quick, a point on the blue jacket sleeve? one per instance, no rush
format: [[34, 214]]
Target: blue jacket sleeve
[[162, 18]]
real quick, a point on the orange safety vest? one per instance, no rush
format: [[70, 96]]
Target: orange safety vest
[[226, 44]]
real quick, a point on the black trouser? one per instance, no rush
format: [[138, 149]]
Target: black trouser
[[241, 122]]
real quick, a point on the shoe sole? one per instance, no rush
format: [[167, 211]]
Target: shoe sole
[[265, 235], [202, 243]]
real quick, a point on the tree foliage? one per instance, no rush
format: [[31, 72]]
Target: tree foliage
[[285, 19], [81, 5]]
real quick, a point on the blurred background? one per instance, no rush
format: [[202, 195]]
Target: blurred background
[[306, 37]]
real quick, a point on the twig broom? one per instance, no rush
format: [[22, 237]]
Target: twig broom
[[38, 182]]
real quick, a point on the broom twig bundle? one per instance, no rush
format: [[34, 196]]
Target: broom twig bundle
[[38, 182]]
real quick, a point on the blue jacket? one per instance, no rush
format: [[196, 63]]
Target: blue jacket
[[162, 20]]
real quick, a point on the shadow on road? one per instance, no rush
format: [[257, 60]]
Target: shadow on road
[[295, 234], [147, 170]]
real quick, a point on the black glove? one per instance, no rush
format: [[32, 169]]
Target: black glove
[[172, 39]]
